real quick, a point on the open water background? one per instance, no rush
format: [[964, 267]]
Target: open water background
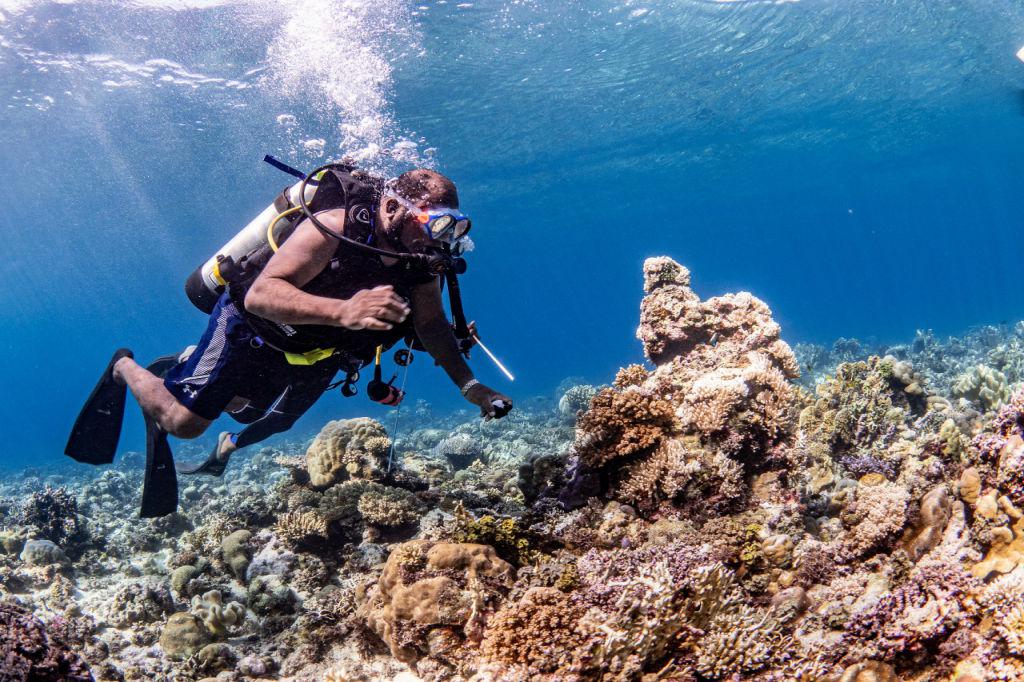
[[859, 166]]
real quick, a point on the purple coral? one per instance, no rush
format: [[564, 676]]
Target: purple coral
[[28, 652], [860, 464]]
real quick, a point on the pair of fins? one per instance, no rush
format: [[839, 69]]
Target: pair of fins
[[97, 431]]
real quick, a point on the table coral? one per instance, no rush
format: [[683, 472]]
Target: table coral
[[347, 448]]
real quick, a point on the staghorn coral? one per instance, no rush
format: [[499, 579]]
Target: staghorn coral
[[347, 448], [443, 588]]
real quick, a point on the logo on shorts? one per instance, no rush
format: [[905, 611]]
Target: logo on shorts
[[361, 214]]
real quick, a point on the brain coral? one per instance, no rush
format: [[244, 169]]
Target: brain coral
[[347, 448], [427, 587]]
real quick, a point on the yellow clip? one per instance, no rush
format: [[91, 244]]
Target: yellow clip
[[380, 349], [309, 357], [215, 273]]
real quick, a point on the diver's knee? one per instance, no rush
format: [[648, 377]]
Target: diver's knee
[[183, 423]]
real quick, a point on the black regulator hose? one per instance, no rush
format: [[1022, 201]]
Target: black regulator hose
[[434, 263]]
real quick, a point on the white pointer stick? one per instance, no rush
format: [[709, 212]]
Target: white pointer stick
[[495, 360]]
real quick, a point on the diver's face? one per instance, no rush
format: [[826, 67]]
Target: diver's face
[[397, 219]]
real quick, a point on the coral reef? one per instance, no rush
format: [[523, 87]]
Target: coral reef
[[708, 515]]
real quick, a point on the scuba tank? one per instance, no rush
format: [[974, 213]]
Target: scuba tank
[[206, 283]]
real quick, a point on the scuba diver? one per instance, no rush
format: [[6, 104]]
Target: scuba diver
[[342, 266]]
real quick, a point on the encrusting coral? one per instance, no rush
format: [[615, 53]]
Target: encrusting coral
[[430, 591]]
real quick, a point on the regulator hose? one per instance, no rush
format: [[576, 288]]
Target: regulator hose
[[436, 264]]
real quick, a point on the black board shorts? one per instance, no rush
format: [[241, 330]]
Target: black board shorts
[[231, 360]]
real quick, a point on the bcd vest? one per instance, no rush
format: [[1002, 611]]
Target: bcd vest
[[350, 270]]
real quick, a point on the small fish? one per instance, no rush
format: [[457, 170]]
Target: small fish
[[714, 339]]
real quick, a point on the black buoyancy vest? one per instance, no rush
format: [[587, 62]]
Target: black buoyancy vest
[[350, 270]]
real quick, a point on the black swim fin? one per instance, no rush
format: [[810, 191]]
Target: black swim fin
[[97, 429], [160, 485], [212, 465]]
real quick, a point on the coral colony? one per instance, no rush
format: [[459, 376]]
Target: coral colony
[[732, 510]]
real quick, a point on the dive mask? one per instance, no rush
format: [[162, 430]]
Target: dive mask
[[441, 223]]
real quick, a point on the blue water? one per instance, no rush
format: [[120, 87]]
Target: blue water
[[858, 166]]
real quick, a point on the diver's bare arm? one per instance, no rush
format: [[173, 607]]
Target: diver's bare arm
[[435, 332], [277, 295]]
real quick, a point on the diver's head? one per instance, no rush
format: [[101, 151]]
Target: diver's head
[[419, 212]]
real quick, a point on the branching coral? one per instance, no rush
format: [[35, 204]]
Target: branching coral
[[52, 514], [389, 507], [877, 514], [623, 424], [576, 400], [301, 527], [542, 632], [912, 620], [722, 382], [505, 535], [28, 652], [347, 448]]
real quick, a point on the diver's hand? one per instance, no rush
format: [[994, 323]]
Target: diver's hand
[[493, 405], [379, 308]]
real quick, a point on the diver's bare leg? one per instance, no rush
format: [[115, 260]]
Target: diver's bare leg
[[157, 402]]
